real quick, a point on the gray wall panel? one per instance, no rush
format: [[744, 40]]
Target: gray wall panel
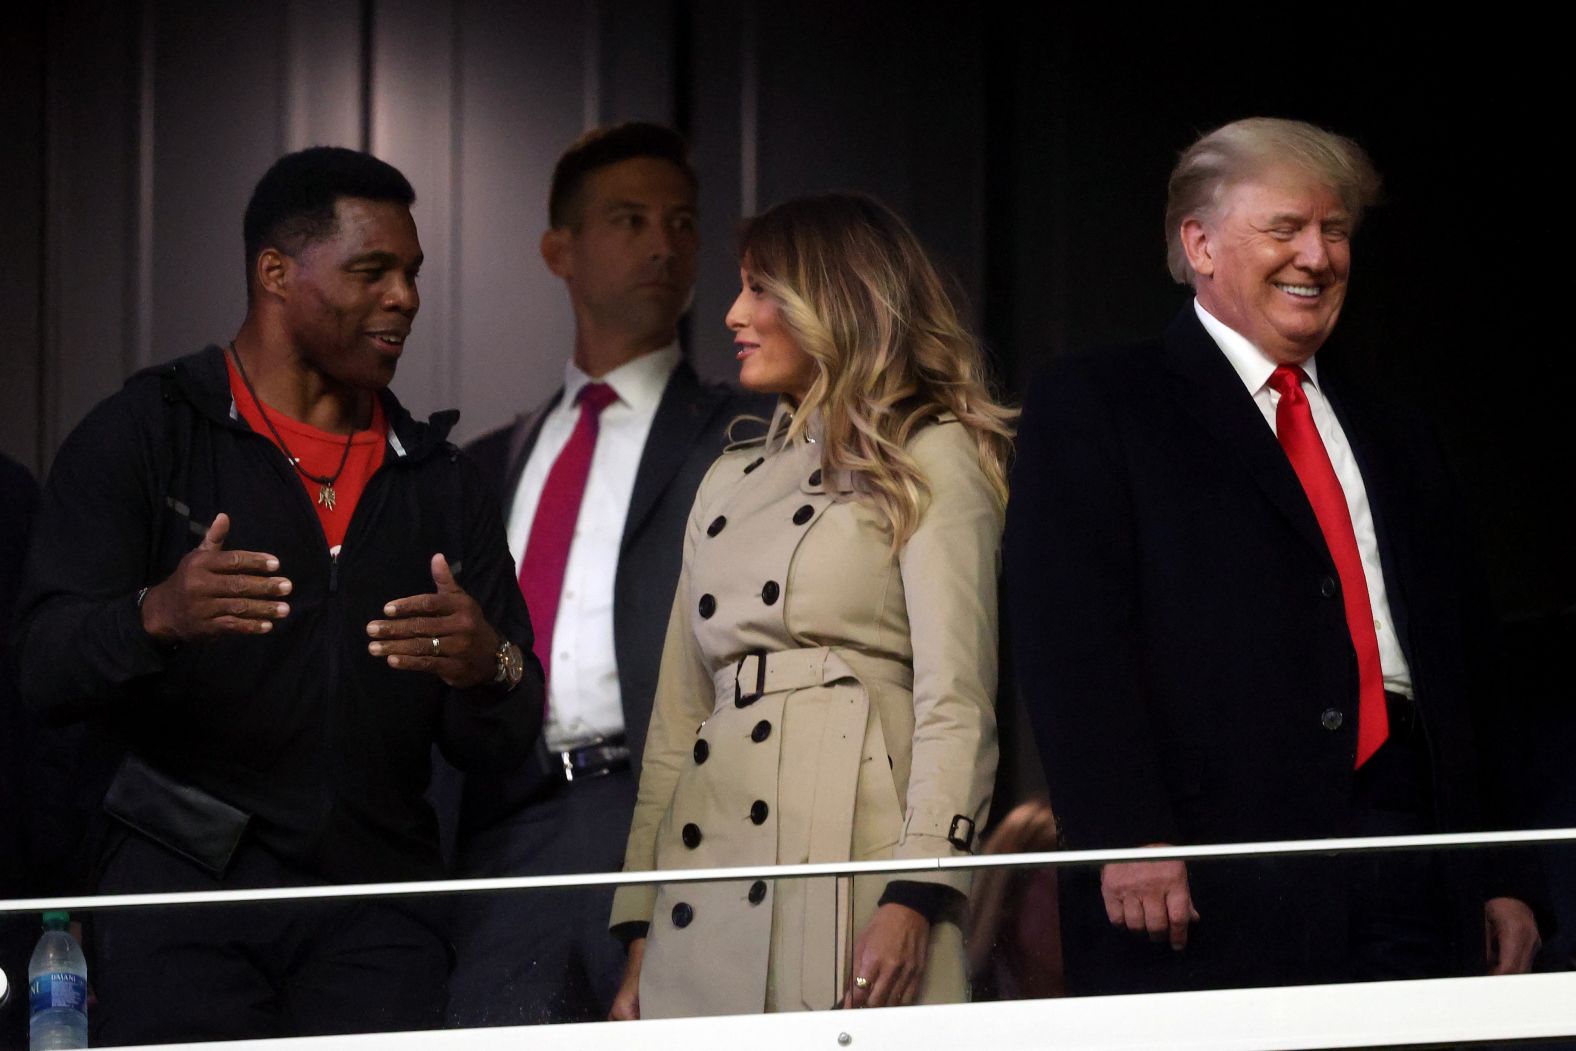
[[941, 108], [717, 106], [163, 135], [89, 283], [415, 53], [22, 235], [521, 84], [322, 96], [833, 112], [217, 126], [636, 61], [817, 96]]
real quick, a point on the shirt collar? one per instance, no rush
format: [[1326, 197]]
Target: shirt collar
[[639, 383], [1252, 365]]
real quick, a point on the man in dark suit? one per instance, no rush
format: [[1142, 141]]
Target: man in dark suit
[[596, 486], [1236, 585]]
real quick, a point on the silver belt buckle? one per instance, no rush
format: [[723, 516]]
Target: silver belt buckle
[[603, 748]]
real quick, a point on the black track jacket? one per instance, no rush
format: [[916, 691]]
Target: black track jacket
[[324, 746]]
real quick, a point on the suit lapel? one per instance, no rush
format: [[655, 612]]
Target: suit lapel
[[682, 415], [1211, 392], [522, 439]]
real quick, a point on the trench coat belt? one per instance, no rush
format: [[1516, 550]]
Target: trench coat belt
[[828, 933], [761, 672]]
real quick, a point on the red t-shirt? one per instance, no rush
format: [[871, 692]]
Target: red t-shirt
[[319, 453]]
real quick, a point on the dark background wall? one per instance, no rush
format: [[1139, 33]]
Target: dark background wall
[[1453, 292], [1029, 150]]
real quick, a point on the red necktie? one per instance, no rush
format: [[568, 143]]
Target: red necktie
[[1298, 436], [553, 528]]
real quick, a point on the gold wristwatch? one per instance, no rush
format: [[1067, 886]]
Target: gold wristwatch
[[511, 665]]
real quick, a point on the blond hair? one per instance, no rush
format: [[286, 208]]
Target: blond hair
[[1243, 149], [859, 295]]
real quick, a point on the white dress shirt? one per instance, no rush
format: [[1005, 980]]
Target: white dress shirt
[[1255, 368], [583, 700]]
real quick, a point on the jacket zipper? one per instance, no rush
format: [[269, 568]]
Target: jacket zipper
[[333, 695], [337, 697], [330, 681]]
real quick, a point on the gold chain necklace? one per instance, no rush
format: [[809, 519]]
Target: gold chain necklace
[[325, 486]]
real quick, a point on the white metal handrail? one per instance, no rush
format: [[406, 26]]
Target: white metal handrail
[[1047, 859], [1442, 1012]]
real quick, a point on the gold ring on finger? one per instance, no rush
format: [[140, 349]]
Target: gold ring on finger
[[435, 647], [861, 982]]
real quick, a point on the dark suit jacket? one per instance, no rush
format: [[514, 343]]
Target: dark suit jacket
[[1181, 639], [688, 433]]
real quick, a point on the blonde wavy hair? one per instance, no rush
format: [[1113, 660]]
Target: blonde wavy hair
[[858, 294]]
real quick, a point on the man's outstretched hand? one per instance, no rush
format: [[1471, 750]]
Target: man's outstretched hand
[[442, 632], [216, 592]]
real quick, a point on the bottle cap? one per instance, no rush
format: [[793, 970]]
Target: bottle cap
[[57, 920]]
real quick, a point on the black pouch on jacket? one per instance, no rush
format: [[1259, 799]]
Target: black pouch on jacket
[[177, 816]]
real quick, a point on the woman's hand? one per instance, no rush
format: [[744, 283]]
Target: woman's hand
[[626, 1005], [890, 955]]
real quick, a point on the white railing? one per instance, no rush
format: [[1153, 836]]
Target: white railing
[[1046, 859], [1455, 1011], [1450, 1012]]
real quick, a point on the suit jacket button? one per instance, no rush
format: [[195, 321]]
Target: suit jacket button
[[682, 914], [716, 525], [702, 750], [815, 476], [1328, 587], [803, 515], [708, 606], [691, 835], [762, 731], [753, 464], [757, 892], [769, 592], [1331, 719], [758, 811]]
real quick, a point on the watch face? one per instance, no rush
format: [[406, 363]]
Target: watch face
[[511, 664]]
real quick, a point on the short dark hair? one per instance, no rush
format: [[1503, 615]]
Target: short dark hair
[[293, 204], [602, 147]]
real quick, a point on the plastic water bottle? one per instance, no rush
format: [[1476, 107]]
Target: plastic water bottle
[[57, 985]]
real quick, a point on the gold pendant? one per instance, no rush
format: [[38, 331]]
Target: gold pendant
[[325, 496]]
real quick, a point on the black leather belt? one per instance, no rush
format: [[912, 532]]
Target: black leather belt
[[597, 759]]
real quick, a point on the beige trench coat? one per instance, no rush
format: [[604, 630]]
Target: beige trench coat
[[867, 731]]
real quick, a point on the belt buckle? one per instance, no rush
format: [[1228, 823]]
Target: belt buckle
[[569, 764], [602, 748], [959, 837], [741, 699]]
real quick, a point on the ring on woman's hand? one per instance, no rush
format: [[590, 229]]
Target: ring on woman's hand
[[435, 647], [861, 982]]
